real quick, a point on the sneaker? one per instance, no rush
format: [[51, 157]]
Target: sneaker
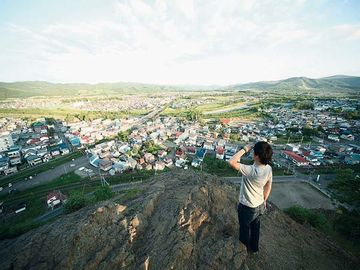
[[252, 253]]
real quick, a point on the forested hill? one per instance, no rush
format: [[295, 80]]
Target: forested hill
[[41, 88], [339, 83]]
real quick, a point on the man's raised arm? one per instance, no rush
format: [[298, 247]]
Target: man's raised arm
[[234, 160]]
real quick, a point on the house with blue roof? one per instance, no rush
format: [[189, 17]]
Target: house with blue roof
[[200, 153], [352, 159], [63, 148], [75, 141], [94, 161]]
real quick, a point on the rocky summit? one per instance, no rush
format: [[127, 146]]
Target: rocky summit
[[181, 220]]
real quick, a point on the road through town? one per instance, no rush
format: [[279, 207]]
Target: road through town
[[50, 175]]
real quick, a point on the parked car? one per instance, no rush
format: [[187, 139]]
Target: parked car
[[20, 208], [13, 191]]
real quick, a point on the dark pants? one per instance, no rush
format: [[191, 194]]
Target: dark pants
[[249, 220]]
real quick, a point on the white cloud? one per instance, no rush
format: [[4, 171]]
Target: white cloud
[[348, 31], [179, 42], [187, 8]]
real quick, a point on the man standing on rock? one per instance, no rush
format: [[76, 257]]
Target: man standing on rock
[[254, 191]]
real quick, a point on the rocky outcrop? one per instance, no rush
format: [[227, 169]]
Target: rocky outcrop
[[182, 220]]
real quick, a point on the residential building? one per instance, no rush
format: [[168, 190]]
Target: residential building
[[105, 164], [4, 163], [295, 158], [34, 160], [6, 141], [220, 153]]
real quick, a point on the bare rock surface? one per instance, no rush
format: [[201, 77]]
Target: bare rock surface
[[182, 220]]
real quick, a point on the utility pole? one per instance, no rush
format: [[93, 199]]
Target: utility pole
[[102, 179]]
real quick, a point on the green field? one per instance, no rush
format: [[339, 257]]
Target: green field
[[68, 114]]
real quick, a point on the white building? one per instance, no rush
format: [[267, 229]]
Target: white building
[[5, 141]]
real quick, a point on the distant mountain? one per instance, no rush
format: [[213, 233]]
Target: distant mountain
[[338, 83], [41, 88]]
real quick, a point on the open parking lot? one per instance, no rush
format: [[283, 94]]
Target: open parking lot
[[286, 194]]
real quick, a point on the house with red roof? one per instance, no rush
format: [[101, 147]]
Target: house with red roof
[[225, 121], [295, 158], [190, 150], [220, 152]]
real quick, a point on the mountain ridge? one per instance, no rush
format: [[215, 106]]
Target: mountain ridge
[[43, 88]]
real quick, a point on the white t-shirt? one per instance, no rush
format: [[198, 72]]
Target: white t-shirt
[[253, 182]]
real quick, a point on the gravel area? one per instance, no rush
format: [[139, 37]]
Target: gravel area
[[287, 194]]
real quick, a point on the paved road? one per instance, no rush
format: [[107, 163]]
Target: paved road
[[50, 175]]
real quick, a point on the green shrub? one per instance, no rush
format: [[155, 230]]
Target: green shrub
[[303, 215], [348, 224], [318, 220], [304, 105], [103, 193], [13, 230], [76, 201], [297, 213]]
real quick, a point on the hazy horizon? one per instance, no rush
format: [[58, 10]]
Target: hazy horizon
[[180, 84], [181, 42]]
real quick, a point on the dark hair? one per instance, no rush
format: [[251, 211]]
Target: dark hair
[[264, 152]]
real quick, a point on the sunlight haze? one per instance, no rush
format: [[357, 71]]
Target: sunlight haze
[[177, 42]]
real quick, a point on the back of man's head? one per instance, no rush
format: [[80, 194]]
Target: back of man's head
[[264, 152]]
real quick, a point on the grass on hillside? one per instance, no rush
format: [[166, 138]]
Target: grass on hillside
[[129, 195], [338, 226], [24, 221]]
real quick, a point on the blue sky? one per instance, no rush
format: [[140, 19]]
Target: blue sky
[[179, 41]]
